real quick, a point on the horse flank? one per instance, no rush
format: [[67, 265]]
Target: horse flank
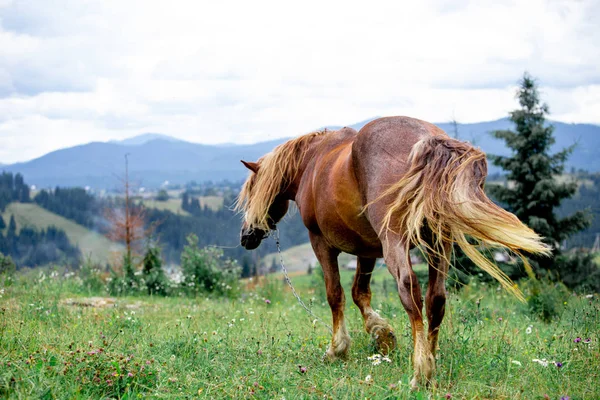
[[277, 170]]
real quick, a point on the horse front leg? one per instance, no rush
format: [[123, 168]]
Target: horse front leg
[[398, 262], [379, 329], [327, 256]]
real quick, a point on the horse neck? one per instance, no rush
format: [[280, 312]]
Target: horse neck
[[311, 151]]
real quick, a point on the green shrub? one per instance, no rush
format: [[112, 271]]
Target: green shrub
[[578, 271], [91, 277], [154, 277], [207, 271], [7, 266], [545, 299], [124, 284]]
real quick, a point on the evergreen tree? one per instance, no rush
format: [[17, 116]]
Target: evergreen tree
[[12, 227], [162, 195], [532, 192], [154, 276]]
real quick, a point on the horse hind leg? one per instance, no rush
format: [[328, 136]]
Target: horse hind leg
[[435, 299], [398, 262], [327, 256], [379, 329]]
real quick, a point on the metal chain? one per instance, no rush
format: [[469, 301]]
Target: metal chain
[[289, 282]]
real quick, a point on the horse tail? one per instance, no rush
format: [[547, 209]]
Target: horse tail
[[443, 191]]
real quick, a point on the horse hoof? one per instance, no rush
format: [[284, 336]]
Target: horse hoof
[[330, 356], [385, 340], [414, 384]]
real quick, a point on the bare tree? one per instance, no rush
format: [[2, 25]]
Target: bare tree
[[454, 125], [127, 224]]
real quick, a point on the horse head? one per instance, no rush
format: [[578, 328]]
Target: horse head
[[257, 224]]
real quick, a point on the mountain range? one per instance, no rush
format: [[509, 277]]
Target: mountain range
[[155, 158]]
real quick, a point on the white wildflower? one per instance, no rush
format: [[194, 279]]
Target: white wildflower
[[529, 329], [589, 296], [368, 379], [516, 362], [543, 362], [377, 361], [386, 359]]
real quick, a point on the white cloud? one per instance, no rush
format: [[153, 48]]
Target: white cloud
[[75, 71]]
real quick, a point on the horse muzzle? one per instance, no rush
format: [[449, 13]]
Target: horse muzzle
[[251, 239]]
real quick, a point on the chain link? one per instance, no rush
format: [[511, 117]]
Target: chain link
[[289, 282]]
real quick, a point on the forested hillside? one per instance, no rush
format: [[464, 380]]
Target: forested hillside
[[213, 227], [587, 197]]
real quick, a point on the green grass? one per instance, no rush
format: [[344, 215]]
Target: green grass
[[212, 202], [174, 204], [90, 243], [244, 347], [298, 258]]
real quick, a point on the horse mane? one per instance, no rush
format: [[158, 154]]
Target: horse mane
[[277, 170]]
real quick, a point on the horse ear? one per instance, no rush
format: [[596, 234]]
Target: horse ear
[[252, 166]]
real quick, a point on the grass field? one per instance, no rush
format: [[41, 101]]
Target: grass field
[[90, 243], [53, 347], [174, 204]]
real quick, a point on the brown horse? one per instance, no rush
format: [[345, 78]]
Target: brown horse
[[399, 182]]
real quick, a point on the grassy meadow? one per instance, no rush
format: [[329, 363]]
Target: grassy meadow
[[174, 204], [59, 340]]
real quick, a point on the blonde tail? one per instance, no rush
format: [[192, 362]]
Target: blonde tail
[[443, 190]]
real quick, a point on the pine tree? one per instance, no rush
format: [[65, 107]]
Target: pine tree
[[154, 276], [12, 227], [533, 192]]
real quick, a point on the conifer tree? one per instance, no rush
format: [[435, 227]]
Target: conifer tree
[[533, 192]]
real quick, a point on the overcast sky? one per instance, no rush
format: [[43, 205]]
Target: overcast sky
[[76, 71]]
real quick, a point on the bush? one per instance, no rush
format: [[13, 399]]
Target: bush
[[91, 277], [162, 195], [7, 266], [126, 283], [577, 271], [545, 299], [155, 280], [207, 271]]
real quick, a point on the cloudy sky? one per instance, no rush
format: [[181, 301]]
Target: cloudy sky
[[76, 71]]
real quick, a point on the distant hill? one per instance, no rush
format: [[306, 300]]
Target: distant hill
[[145, 138], [92, 244], [155, 158]]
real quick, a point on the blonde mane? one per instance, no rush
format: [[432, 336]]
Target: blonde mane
[[277, 170]]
